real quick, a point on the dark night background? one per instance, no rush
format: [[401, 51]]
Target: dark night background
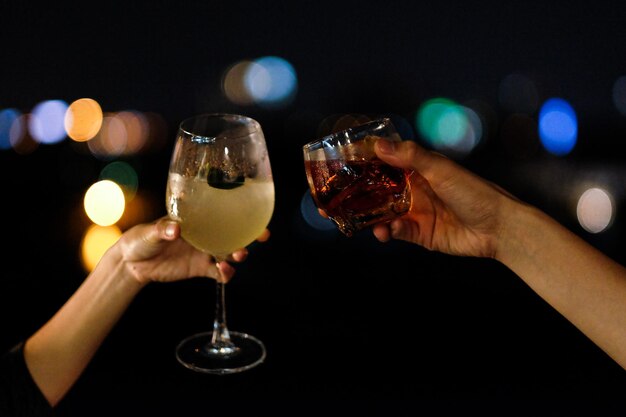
[[351, 325]]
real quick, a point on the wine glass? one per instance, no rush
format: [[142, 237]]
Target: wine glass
[[220, 189], [350, 183]]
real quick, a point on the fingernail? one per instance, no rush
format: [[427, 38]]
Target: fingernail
[[385, 146], [170, 229]]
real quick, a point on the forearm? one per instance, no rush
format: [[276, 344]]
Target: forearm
[[583, 284], [57, 353]]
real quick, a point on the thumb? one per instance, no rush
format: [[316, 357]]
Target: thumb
[[162, 230], [404, 154]]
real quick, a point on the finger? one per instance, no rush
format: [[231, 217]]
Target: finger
[[239, 255], [322, 213], [381, 232], [167, 229], [264, 236], [226, 271], [154, 234], [406, 154]]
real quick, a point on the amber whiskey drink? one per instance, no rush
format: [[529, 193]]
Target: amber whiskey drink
[[353, 186]]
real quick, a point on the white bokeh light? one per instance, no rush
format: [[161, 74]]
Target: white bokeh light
[[595, 210]]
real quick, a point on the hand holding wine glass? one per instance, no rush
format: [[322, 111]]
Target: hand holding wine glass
[[220, 189]]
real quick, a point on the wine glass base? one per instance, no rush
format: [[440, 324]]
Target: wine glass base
[[193, 354]]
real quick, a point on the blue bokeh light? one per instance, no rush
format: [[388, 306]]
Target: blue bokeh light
[[558, 126], [47, 124], [8, 117], [271, 82], [311, 215]]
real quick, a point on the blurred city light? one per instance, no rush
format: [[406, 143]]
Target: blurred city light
[[137, 130], [233, 84], [47, 121], [449, 127], [83, 119], [269, 81], [104, 202], [311, 215], [96, 240], [111, 140], [275, 85], [124, 175], [558, 126], [595, 210], [10, 128], [21, 141], [619, 94], [126, 133]]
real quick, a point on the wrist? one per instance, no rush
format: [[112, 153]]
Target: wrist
[[114, 267], [521, 227]]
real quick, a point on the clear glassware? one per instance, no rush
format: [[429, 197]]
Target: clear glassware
[[350, 183], [220, 188]]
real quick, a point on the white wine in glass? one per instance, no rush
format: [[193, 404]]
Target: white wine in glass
[[220, 189]]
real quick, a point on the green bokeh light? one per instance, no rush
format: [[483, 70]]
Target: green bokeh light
[[442, 122], [124, 175]]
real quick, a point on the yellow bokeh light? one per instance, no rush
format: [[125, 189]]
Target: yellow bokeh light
[[104, 202], [96, 241], [83, 119]]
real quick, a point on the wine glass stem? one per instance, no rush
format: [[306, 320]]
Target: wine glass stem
[[221, 336]]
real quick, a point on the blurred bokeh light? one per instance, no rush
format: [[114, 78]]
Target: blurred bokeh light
[[233, 84], [558, 126], [312, 216], [124, 175], [269, 81], [47, 121], [619, 94], [83, 119], [449, 127], [595, 210], [126, 133], [136, 129], [10, 128], [21, 140], [104, 202], [273, 82], [111, 140], [96, 240]]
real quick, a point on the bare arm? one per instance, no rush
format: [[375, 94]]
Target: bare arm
[[583, 284], [58, 353], [455, 211]]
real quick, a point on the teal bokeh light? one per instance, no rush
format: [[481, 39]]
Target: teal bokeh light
[[448, 126]]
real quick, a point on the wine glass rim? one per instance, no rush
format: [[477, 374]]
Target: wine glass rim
[[346, 132], [228, 117]]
